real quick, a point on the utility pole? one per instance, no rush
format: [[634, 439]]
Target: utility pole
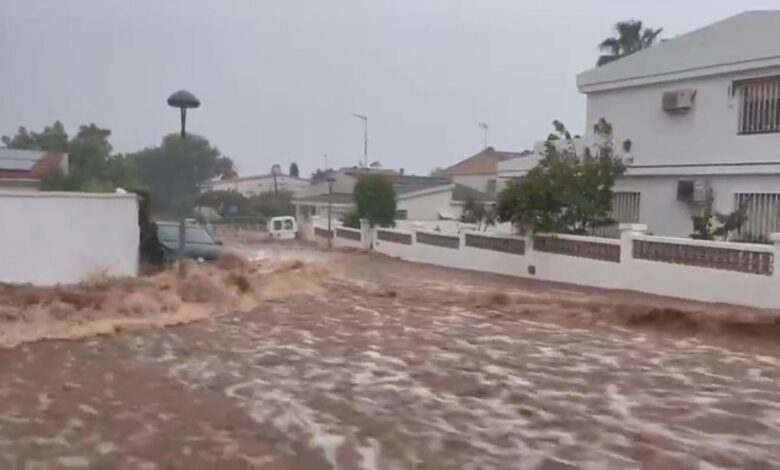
[[364, 118], [325, 155], [484, 128]]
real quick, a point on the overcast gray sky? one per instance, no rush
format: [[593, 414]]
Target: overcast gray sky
[[279, 79]]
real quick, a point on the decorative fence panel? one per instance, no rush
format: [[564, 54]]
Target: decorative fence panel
[[578, 248], [321, 232], [506, 245], [728, 259], [348, 234], [444, 241], [394, 237]]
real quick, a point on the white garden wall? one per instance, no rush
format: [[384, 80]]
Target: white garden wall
[[50, 238], [576, 269], [737, 273], [704, 284], [341, 238]]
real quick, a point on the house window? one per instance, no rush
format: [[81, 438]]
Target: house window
[[625, 207], [762, 215], [401, 214], [759, 105], [491, 186], [625, 210]]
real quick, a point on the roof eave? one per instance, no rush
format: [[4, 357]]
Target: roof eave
[[426, 191], [588, 84]]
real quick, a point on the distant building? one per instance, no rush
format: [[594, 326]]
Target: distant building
[[418, 197], [23, 169], [479, 171], [254, 185]]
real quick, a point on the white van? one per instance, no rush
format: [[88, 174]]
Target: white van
[[283, 228]]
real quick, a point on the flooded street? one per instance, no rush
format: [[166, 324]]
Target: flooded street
[[393, 365]]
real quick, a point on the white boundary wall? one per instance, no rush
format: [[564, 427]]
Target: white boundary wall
[[609, 263], [574, 269], [340, 241], [50, 238], [704, 284]]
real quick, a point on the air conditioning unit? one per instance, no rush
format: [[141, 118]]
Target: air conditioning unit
[[678, 101], [693, 191]]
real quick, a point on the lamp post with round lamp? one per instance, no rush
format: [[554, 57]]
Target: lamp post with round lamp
[[183, 100]]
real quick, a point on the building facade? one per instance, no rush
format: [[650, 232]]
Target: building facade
[[254, 185], [702, 114]]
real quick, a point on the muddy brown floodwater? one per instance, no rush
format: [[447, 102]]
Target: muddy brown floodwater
[[392, 365]]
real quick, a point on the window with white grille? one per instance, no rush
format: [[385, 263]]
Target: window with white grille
[[759, 105], [625, 207], [762, 211], [625, 210]]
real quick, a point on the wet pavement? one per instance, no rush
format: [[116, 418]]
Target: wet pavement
[[394, 366]]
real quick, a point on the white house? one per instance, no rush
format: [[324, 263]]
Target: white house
[[254, 185], [702, 113], [419, 198], [479, 171]]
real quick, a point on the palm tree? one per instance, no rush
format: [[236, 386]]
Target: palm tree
[[630, 38]]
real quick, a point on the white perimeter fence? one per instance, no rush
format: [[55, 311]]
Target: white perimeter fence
[[735, 273]]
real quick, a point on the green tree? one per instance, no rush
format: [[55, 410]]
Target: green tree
[[475, 212], [375, 199], [52, 139], [437, 171], [630, 37], [91, 166], [565, 192], [351, 219], [318, 176], [175, 169], [270, 205], [294, 170]]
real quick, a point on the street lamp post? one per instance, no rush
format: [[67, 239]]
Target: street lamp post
[[183, 100], [330, 180], [484, 127], [276, 170], [364, 118]]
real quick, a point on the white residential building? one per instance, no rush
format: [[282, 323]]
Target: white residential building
[[419, 198], [702, 112], [479, 170], [254, 185]]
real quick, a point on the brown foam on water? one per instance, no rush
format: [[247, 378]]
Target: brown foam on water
[[108, 306]]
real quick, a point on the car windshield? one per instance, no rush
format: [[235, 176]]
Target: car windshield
[[170, 233]]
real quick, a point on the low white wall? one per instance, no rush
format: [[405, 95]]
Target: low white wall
[[432, 254], [52, 238], [491, 261], [704, 284], [396, 250], [668, 277], [341, 242], [573, 269]]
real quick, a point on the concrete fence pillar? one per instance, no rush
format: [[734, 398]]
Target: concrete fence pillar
[[627, 234], [313, 222], [775, 239], [366, 234]]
